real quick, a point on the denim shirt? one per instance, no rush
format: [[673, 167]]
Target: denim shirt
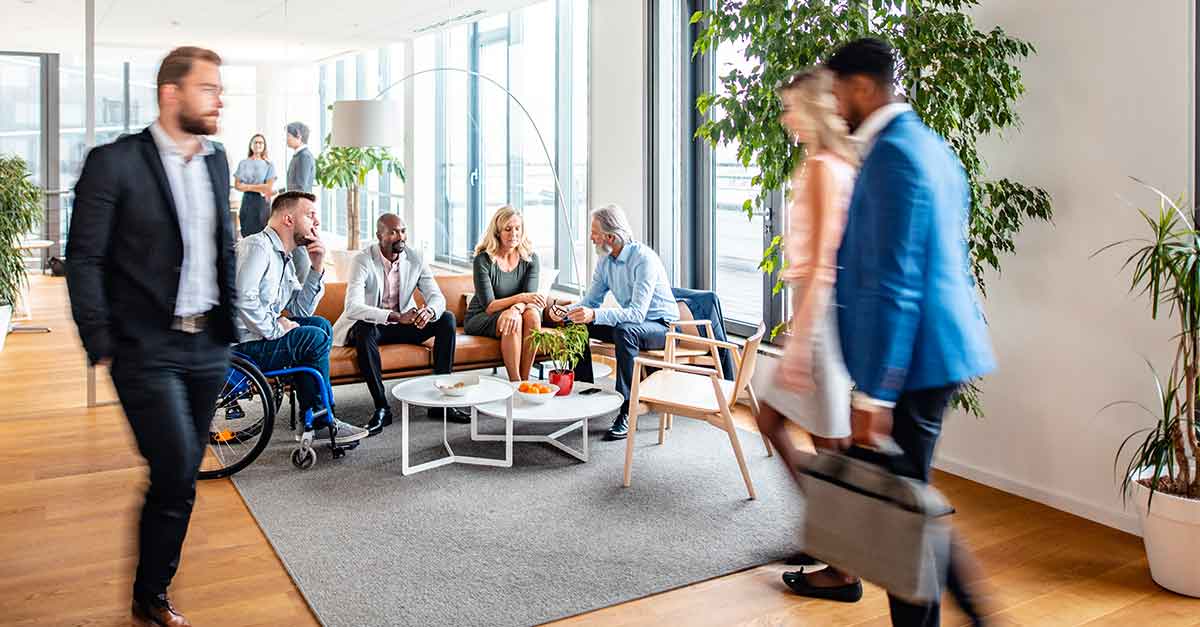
[[638, 281], [267, 284]]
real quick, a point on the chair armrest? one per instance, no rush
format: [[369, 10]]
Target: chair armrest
[[690, 323], [666, 365], [702, 340]]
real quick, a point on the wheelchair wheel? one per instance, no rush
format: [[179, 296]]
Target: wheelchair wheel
[[243, 422]]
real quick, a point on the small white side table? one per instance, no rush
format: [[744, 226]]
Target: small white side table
[[26, 292], [574, 408], [420, 391]]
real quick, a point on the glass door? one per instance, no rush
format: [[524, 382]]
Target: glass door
[[29, 128]]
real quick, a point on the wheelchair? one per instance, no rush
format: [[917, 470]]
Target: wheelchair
[[245, 419]]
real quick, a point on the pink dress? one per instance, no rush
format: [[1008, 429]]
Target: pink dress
[[811, 247]]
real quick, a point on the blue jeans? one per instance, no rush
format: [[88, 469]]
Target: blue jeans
[[629, 338], [307, 345]]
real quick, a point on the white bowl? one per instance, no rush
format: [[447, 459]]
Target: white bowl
[[536, 399], [456, 384]]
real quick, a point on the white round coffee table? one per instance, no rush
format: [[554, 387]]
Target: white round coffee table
[[574, 408], [420, 391]]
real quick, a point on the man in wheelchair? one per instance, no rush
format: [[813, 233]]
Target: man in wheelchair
[[267, 284]]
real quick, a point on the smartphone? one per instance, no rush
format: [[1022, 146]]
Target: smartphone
[[590, 391]]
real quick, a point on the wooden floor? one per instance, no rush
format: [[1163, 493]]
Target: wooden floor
[[70, 483]]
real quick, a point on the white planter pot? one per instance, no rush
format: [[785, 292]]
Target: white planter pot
[[5, 320], [1171, 533]]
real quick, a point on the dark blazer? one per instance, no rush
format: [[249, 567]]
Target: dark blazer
[[125, 249], [302, 169], [908, 313]]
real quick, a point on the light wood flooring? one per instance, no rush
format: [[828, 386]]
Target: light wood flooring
[[70, 484]]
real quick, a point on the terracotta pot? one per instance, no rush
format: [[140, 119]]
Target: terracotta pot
[[564, 379]]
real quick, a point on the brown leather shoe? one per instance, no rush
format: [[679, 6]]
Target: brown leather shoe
[[159, 615]]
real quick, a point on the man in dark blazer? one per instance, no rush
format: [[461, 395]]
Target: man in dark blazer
[[151, 280]]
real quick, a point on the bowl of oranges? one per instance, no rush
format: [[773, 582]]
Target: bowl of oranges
[[536, 392]]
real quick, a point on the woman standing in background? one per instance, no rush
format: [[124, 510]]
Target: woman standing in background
[[255, 177]]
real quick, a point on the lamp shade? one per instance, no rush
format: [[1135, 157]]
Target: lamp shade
[[366, 123]]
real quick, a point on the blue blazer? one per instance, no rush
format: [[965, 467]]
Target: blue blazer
[[908, 313]]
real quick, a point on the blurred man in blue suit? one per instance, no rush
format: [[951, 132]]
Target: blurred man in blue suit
[[911, 325]]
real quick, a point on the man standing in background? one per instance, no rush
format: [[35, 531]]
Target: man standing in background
[[302, 169], [301, 172]]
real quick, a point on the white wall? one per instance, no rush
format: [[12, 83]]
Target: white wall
[[617, 142], [1109, 96]]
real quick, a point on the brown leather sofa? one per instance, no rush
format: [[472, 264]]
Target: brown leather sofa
[[407, 360]]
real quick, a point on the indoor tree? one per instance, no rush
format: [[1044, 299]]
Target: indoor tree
[[962, 82]]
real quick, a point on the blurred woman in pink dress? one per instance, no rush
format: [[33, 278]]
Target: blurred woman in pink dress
[[810, 385]]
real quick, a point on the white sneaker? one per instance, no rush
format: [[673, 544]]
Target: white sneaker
[[346, 432]]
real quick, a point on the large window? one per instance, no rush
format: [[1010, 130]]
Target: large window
[[700, 191], [473, 148]]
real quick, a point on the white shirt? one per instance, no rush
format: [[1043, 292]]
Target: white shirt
[[865, 136], [195, 204], [870, 128]]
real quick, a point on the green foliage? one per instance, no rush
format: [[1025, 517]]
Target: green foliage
[[962, 82], [20, 211], [564, 345], [1166, 269], [347, 167]]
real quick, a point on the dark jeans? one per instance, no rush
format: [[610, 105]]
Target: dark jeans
[[307, 345], [629, 338], [168, 390], [367, 337], [916, 425]]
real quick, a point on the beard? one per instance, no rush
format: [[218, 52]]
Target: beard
[[398, 247], [303, 239], [195, 124], [603, 249]]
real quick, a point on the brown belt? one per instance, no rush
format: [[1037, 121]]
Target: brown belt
[[190, 324]]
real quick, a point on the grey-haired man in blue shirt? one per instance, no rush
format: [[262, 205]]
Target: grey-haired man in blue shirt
[[635, 276]]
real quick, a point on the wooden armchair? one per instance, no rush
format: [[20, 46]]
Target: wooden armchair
[[685, 352], [695, 392]]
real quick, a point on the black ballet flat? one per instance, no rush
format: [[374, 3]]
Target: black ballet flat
[[798, 583]]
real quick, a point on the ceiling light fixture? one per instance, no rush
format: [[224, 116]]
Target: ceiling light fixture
[[448, 21]]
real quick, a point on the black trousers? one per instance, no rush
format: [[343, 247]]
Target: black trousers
[[629, 338], [916, 426], [168, 389], [367, 337]]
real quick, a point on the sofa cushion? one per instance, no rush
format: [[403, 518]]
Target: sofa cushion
[[332, 302], [473, 349], [343, 362]]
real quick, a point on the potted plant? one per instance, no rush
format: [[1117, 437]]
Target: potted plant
[[20, 211], [565, 346], [1162, 473], [348, 167]]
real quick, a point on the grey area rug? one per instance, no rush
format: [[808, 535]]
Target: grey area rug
[[548, 538]]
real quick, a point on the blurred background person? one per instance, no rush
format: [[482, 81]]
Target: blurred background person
[[151, 281], [810, 386], [302, 169], [909, 318], [506, 304], [255, 178]]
